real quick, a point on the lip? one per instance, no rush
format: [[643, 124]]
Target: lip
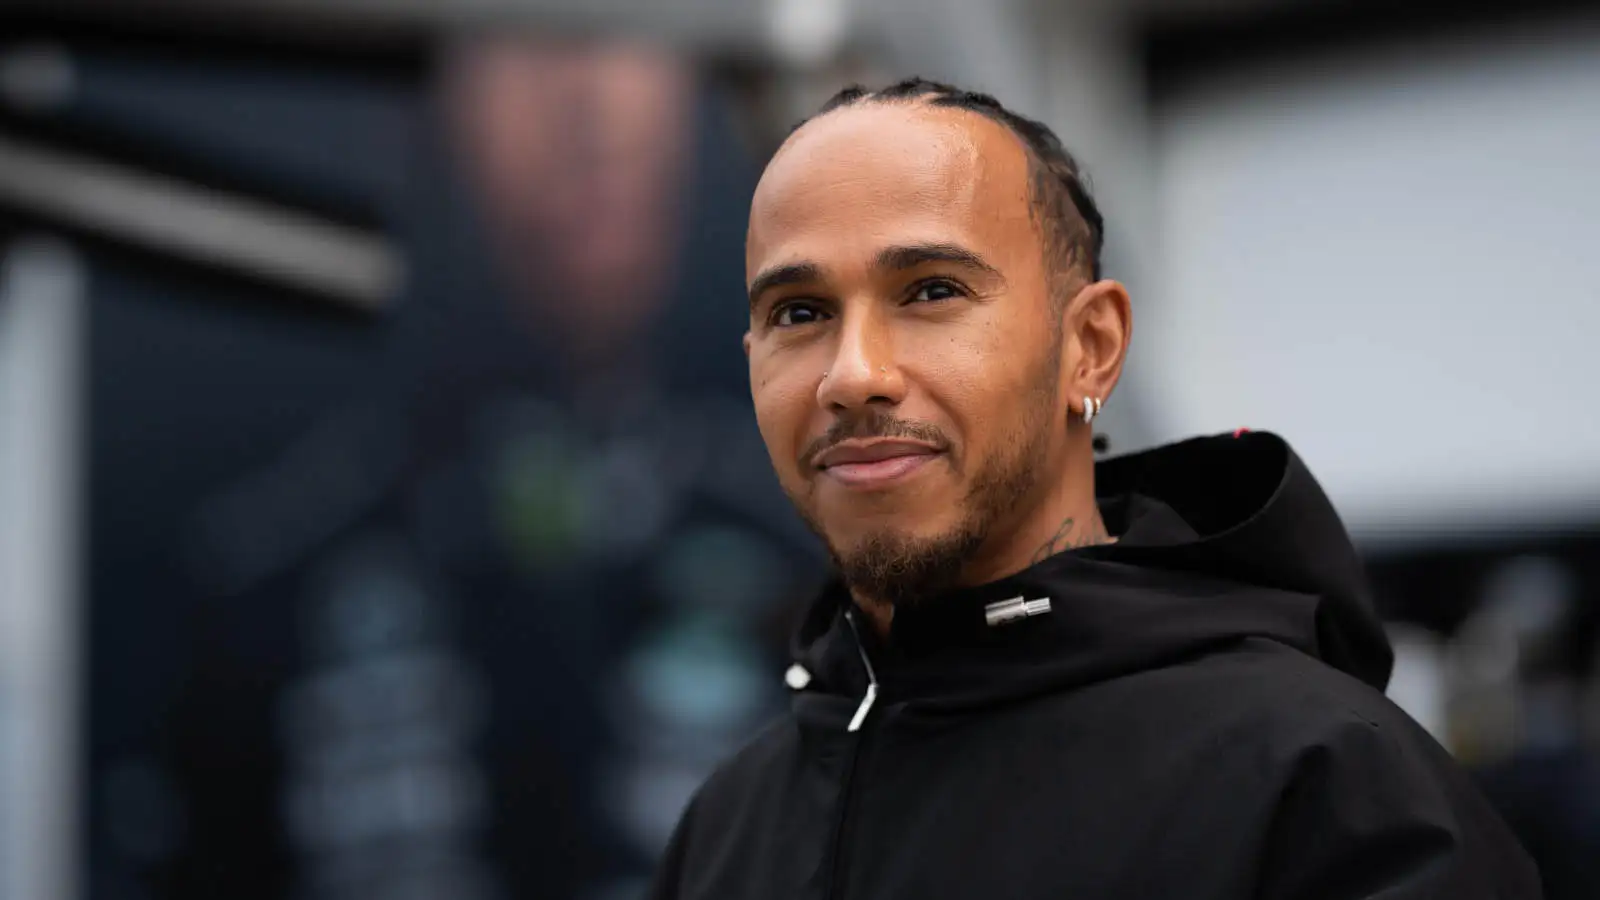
[[874, 463]]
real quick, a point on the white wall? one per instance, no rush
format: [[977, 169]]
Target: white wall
[[1393, 259]]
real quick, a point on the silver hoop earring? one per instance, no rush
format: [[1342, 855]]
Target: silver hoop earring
[[1091, 408]]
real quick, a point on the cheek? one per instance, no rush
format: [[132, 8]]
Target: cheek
[[784, 403], [980, 378], [969, 372]]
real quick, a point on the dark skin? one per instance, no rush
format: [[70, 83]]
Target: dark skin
[[897, 274]]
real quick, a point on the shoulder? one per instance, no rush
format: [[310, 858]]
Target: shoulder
[[1279, 692], [1315, 705], [1262, 711], [1358, 780]]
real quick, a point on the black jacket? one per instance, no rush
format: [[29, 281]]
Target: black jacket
[[1198, 714]]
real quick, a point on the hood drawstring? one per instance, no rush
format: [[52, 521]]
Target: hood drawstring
[[872, 676]]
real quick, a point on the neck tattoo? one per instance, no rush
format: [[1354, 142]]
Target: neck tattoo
[[1070, 537]]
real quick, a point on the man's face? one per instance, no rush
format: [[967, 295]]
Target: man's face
[[905, 361]]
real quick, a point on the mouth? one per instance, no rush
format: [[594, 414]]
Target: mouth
[[874, 463]]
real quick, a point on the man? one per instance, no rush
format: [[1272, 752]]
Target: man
[[1018, 690]]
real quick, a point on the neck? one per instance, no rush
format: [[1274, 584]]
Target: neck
[[1064, 517], [1067, 519]]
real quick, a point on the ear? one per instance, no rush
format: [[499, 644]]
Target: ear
[[1099, 323], [747, 345]]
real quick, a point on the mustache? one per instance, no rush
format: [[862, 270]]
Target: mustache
[[874, 424]]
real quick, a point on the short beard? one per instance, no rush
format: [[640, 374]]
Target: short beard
[[895, 569]]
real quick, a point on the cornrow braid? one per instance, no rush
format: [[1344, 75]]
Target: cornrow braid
[[1073, 228]]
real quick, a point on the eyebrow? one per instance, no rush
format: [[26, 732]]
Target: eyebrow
[[912, 255], [777, 276], [906, 256]]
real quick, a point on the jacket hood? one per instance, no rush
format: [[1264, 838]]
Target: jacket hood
[[1221, 540]]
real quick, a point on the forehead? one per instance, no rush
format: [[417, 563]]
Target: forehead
[[875, 174]]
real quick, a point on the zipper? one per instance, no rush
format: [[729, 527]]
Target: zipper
[[847, 792]]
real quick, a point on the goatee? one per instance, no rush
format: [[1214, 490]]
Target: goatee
[[895, 568]]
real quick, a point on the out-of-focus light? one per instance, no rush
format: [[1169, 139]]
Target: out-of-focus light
[[807, 32], [275, 243], [42, 285], [37, 77], [1417, 685], [1531, 596]]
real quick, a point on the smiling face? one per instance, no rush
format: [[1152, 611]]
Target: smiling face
[[907, 363]]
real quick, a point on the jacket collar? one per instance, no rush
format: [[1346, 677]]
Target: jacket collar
[[1271, 563]]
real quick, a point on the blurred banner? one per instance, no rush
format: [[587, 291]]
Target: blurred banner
[[459, 597]]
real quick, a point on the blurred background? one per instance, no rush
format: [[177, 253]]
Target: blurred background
[[381, 512]]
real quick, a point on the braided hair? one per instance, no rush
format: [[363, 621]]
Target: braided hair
[[1073, 229]]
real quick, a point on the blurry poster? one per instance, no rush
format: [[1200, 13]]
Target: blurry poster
[[462, 599]]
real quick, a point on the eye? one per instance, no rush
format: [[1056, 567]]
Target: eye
[[935, 290], [796, 312]]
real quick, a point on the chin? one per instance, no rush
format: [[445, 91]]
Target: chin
[[900, 530], [850, 520]]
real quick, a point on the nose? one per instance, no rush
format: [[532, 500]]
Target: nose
[[863, 370]]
